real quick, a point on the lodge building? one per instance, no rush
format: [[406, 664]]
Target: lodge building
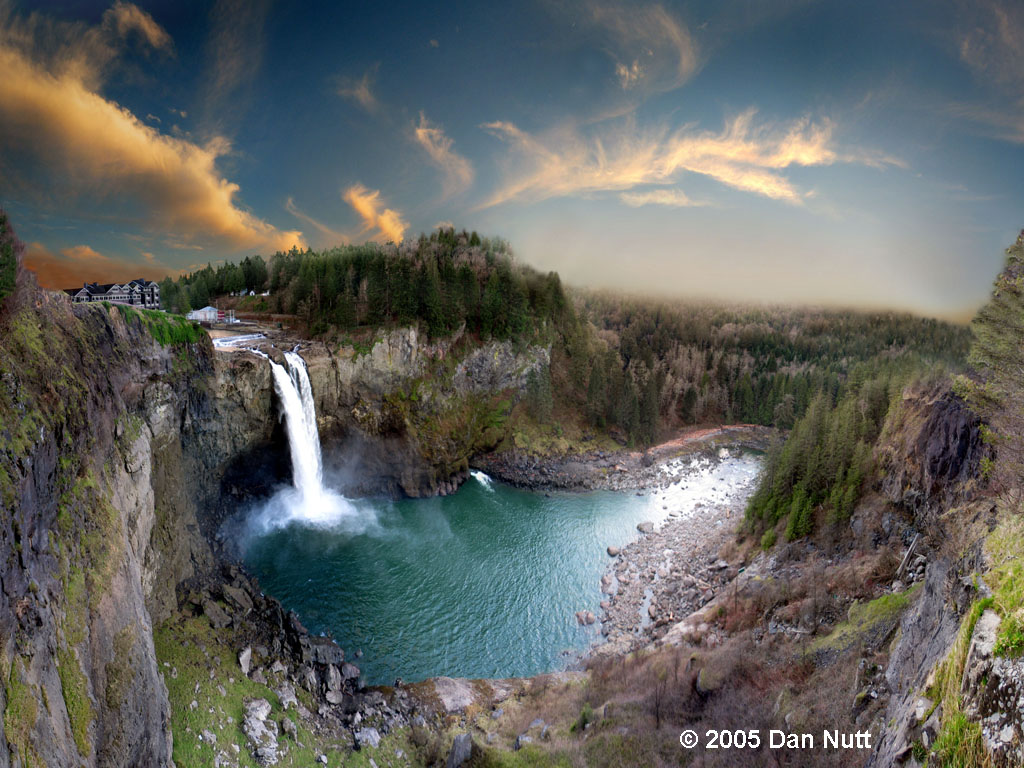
[[139, 293]]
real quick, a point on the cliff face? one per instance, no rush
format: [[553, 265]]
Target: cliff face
[[93, 414], [931, 455], [930, 463], [404, 417], [120, 456]]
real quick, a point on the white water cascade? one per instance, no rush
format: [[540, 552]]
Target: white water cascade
[[308, 501], [300, 421]]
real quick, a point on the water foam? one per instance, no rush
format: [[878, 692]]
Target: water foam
[[308, 502], [483, 478]]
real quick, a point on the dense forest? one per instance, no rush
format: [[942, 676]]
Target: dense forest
[[445, 282], [818, 473], [632, 366]]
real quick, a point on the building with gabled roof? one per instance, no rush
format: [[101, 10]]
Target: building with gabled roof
[[138, 292]]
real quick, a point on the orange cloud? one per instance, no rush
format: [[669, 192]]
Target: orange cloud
[[81, 264], [371, 210], [742, 156], [360, 91], [126, 17], [53, 121], [457, 170]]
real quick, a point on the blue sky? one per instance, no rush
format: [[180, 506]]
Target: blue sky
[[866, 154]]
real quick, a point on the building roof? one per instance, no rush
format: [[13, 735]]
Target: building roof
[[98, 289]]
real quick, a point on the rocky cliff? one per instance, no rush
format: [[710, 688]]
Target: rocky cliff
[[96, 422], [124, 441]]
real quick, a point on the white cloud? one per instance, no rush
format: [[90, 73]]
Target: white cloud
[[672, 198], [744, 156], [457, 170]]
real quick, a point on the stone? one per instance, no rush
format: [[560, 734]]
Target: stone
[[245, 659], [286, 695], [289, 727], [334, 697], [462, 749], [521, 741], [454, 694], [321, 650], [208, 736], [333, 679], [258, 708], [367, 737], [261, 733], [239, 597], [218, 617], [645, 527], [350, 671], [614, 551]]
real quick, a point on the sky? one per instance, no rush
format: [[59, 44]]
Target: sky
[[864, 154]]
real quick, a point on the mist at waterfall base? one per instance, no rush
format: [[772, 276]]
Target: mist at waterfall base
[[482, 583], [307, 501]]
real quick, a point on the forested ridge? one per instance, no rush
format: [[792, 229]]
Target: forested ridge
[[637, 367]]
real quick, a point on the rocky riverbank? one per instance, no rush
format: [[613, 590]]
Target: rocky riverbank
[[674, 568], [618, 470]]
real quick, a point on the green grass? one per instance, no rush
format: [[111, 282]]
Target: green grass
[[166, 329], [1005, 550], [120, 671], [177, 643], [959, 743], [868, 619], [529, 756], [21, 711], [74, 687]]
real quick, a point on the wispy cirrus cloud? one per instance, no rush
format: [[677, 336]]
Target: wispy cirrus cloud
[[991, 45], [83, 264], [372, 209], [328, 236], [127, 18], [744, 156], [360, 90], [457, 170], [671, 198], [234, 54], [651, 49], [62, 142]]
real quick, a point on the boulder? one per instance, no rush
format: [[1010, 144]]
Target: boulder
[[286, 695], [218, 617], [321, 650], [245, 659], [462, 749], [238, 597], [521, 741], [367, 737], [261, 733], [333, 679]]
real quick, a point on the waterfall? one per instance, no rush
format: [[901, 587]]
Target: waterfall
[[308, 501], [299, 413]]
